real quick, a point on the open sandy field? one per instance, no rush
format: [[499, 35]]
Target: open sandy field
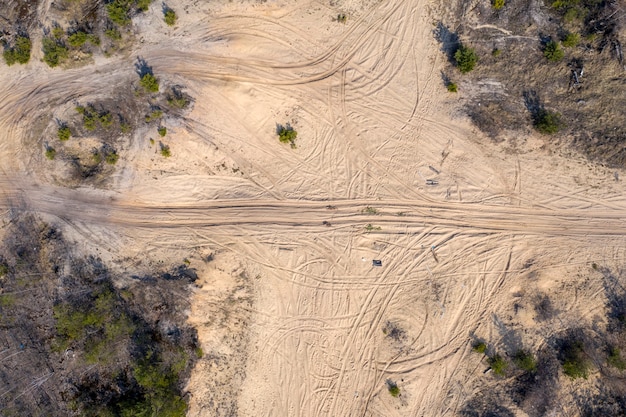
[[293, 318]]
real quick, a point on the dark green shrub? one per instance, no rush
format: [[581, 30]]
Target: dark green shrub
[[162, 131], [553, 51], [548, 122], [452, 87], [466, 59], [150, 83], [54, 53], [20, 53], [77, 39], [170, 17], [498, 364], [525, 361], [64, 133]]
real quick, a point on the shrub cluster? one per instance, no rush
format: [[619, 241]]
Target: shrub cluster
[[20, 53], [54, 52]]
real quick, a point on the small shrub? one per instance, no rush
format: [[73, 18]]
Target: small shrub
[[177, 99], [93, 39], [466, 59], [111, 158], [162, 131], [341, 18], [575, 364], [50, 153], [150, 83], [548, 122], [54, 53], [525, 361], [165, 151], [497, 4], [370, 228], [452, 87], [96, 157], [64, 133], [496, 52], [4, 269], [286, 134], [170, 17], [571, 40], [124, 127], [393, 388], [370, 210], [106, 120], [199, 353], [614, 359], [498, 364], [479, 346], [156, 114], [143, 5], [553, 52], [20, 53], [58, 32]]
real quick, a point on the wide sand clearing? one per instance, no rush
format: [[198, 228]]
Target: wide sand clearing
[[293, 317]]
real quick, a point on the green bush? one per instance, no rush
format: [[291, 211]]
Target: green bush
[[143, 5], [4, 269], [58, 32], [553, 52], [162, 131], [150, 83], [452, 87], [496, 52], [525, 361], [156, 114], [571, 40], [574, 361], [393, 388], [466, 59], [286, 134], [548, 122], [498, 364], [77, 39], [20, 53], [50, 153], [111, 158], [177, 99], [170, 17], [497, 4], [479, 347], [119, 12], [113, 34], [64, 133], [54, 53], [165, 151], [106, 119]]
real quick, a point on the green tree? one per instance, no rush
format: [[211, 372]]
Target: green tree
[[466, 59], [553, 51], [150, 83], [170, 17], [119, 12], [20, 53], [548, 122]]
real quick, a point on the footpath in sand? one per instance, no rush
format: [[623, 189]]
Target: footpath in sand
[[293, 317]]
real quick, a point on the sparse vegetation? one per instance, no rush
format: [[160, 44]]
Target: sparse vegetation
[[370, 228], [370, 210], [170, 17], [165, 151], [553, 52], [452, 87], [479, 346], [614, 358], [54, 52], [154, 115], [20, 53], [466, 59], [571, 40], [113, 34], [341, 18], [162, 131], [111, 158], [574, 360], [4, 269], [150, 83], [77, 39], [498, 364]]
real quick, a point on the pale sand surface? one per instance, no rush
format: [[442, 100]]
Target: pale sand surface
[[291, 312]]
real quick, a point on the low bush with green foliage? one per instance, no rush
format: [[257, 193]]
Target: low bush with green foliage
[[393, 388], [77, 39], [4, 269], [525, 361], [20, 53], [614, 359], [54, 52], [497, 4], [91, 117], [143, 5], [548, 122], [571, 40], [574, 360], [165, 151], [170, 17], [64, 133], [113, 34], [479, 346], [498, 364], [162, 131], [466, 58], [553, 52], [150, 83], [286, 134], [111, 158], [119, 12], [452, 87], [154, 115], [50, 153]]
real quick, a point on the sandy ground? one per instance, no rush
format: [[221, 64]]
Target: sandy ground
[[291, 311]]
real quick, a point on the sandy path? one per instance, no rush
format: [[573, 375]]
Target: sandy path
[[374, 123]]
